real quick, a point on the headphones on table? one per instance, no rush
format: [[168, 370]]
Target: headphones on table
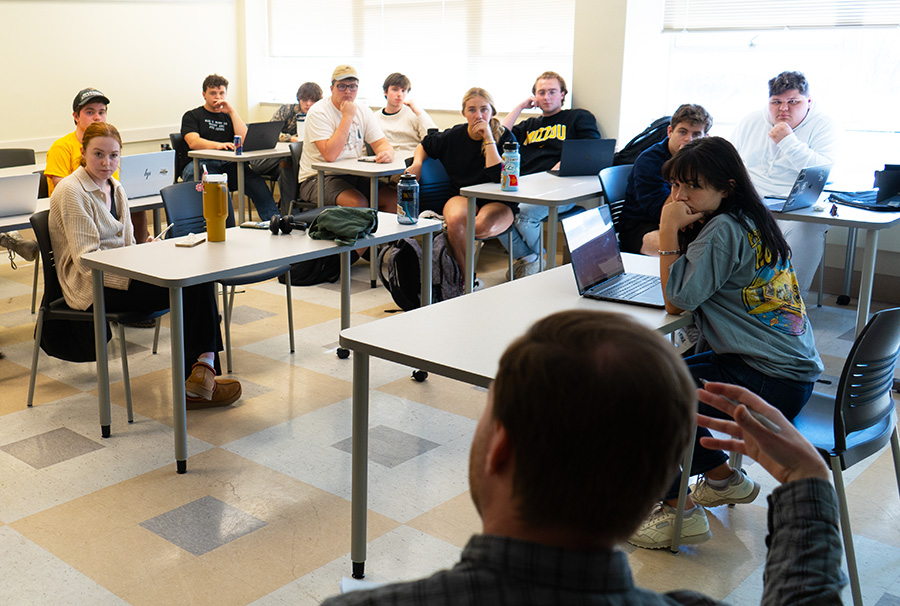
[[286, 224]]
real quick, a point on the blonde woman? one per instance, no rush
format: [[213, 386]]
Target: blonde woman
[[470, 154]]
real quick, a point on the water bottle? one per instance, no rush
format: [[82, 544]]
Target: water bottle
[[407, 199], [509, 174]]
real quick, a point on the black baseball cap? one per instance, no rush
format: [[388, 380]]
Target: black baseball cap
[[88, 95]]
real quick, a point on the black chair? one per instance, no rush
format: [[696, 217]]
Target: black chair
[[53, 307], [16, 156], [181, 154], [860, 420], [614, 181], [296, 151], [184, 208]]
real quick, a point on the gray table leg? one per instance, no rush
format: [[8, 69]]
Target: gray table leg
[[100, 348], [360, 456], [179, 411], [345, 300], [469, 275], [197, 175], [373, 250], [865, 282], [320, 185], [682, 495], [240, 193], [849, 259], [427, 260], [552, 227], [157, 222]]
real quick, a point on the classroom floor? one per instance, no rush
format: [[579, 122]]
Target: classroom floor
[[263, 515]]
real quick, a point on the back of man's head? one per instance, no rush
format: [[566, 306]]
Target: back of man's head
[[214, 81], [786, 81], [599, 410], [309, 91], [693, 114]]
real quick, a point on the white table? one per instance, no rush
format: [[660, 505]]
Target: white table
[[463, 339], [871, 222], [540, 188], [373, 171], [244, 250], [281, 150], [11, 171]]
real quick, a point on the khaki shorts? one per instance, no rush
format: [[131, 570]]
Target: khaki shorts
[[334, 186]]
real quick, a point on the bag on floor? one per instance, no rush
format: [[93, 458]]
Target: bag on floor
[[404, 272]]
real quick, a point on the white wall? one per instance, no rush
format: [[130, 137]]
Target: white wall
[[149, 58]]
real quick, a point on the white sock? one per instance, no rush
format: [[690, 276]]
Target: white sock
[[529, 258], [207, 358]]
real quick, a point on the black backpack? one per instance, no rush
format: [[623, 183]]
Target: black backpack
[[404, 272], [656, 132]]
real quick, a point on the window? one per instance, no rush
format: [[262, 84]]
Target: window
[[718, 15], [444, 46]]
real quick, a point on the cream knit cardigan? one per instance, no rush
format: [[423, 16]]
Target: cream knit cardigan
[[80, 223]]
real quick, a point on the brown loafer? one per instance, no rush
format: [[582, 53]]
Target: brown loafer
[[202, 382], [225, 393]]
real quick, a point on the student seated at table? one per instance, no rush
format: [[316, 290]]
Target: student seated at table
[[403, 122], [64, 156], [723, 258], [89, 212], [470, 154]]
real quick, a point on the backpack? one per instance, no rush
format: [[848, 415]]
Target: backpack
[[404, 272], [315, 271], [656, 132]]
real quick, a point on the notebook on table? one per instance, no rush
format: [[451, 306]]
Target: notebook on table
[[19, 194], [597, 262], [806, 190], [262, 135], [144, 175], [582, 157]]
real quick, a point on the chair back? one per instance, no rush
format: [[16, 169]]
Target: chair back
[[40, 223], [43, 186], [614, 181], [181, 154], [434, 186], [184, 208], [864, 393], [296, 148], [16, 156]]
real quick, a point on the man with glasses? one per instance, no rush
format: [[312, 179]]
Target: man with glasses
[[776, 144], [338, 128], [541, 140]]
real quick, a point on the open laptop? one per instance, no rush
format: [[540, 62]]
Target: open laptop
[[597, 262], [262, 135], [144, 175], [19, 194], [885, 198], [806, 190], [581, 157]]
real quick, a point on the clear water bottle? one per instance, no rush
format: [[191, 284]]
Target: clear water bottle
[[509, 174], [408, 199]]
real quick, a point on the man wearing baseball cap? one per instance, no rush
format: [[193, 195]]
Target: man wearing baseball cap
[[338, 128], [64, 156]]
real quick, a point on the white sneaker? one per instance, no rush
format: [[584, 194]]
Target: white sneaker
[[740, 489], [477, 284], [656, 531]]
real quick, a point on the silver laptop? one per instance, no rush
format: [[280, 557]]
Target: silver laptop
[[597, 262], [583, 157], [19, 194], [262, 135], [144, 175], [806, 190]]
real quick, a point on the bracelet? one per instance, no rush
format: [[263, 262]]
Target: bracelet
[[667, 253], [490, 142]]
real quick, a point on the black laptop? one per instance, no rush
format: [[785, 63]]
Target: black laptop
[[886, 198], [597, 262], [583, 157], [262, 135]]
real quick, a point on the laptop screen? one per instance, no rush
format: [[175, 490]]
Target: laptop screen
[[593, 246]]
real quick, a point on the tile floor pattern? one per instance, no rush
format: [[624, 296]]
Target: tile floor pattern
[[263, 515]]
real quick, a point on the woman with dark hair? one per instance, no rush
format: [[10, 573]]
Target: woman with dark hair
[[470, 154], [723, 258], [89, 212]]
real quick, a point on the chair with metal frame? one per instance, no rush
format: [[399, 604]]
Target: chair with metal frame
[[184, 208], [614, 181], [53, 307], [860, 419], [16, 156]]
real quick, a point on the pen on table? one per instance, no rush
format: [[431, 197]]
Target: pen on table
[[771, 426], [163, 232]]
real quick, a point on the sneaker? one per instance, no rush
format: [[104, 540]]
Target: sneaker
[[656, 531], [524, 268], [27, 249], [205, 390], [477, 284], [740, 489]]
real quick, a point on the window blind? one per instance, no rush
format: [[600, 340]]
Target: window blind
[[718, 15]]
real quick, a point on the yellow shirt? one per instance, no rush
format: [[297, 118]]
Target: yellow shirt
[[63, 159]]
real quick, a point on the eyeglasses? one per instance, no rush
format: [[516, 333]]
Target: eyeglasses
[[790, 102], [346, 87]]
